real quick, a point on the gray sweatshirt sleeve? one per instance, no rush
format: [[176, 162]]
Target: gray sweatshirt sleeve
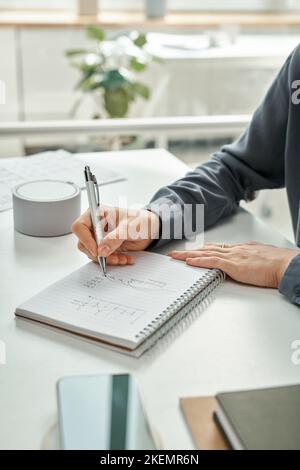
[[255, 161]]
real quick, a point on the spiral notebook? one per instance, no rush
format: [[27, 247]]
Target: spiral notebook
[[131, 308]]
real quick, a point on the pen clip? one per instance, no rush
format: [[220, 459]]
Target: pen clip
[[97, 190]]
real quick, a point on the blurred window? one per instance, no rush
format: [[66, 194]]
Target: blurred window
[[206, 5], [173, 5], [38, 4]]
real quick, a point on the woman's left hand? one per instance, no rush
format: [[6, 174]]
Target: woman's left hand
[[251, 263]]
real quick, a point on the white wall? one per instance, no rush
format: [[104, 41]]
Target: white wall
[[8, 74], [9, 111], [47, 76]]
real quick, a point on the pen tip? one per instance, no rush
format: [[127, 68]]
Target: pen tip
[[102, 265]]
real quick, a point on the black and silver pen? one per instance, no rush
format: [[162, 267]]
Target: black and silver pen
[[94, 203]]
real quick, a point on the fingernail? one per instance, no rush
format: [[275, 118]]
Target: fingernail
[[93, 253], [103, 251]]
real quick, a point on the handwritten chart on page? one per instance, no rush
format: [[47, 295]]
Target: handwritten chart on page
[[113, 311], [141, 284]]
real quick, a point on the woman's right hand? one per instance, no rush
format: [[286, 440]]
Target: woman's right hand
[[124, 230]]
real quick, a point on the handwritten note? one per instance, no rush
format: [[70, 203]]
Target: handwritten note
[[141, 284]]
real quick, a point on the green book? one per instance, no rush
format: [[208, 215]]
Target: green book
[[260, 419]]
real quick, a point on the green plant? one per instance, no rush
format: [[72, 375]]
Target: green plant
[[109, 70]]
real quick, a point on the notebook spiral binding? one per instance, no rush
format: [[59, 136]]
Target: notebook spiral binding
[[193, 296]]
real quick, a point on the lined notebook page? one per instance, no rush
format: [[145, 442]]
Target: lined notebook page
[[116, 307]]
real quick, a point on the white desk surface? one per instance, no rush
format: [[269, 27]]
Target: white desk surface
[[242, 340]]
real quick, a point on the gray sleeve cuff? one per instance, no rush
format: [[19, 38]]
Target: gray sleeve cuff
[[178, 221], [171, 218], [290, 283]]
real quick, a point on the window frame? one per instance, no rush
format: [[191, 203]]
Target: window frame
[[172, 5]]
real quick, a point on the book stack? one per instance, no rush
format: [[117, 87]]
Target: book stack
[[265, 419]]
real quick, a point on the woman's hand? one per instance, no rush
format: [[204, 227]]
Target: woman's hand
[[124, 230], [250, 263]]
